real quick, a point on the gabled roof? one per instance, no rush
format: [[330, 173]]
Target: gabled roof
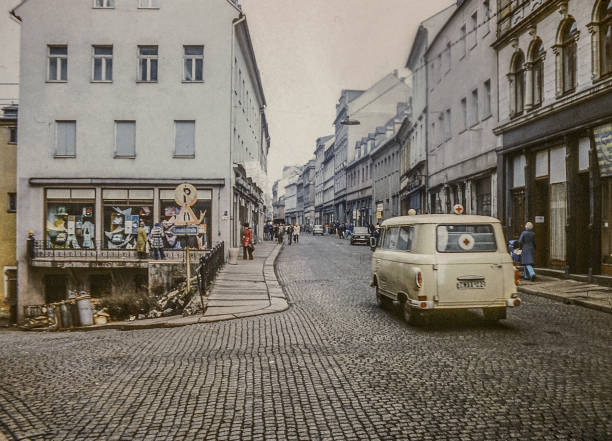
[[429, 29]]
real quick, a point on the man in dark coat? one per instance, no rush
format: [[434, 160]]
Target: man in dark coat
[[528, 244]]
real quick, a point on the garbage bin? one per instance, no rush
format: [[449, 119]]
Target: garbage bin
[[233, 256], [57, 310], [66, 316], [85, 312], [74, 311]]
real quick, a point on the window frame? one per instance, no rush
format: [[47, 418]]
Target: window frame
[[106, 4], [116, 152], [487, 111], [475, 108], [184, 155], [59, 63], [148, 4], [517, 75], [568, 41], [492, 228], [474, 31], [149, 58], [463, 41], [104, 60], [194, 59], [65, 155]]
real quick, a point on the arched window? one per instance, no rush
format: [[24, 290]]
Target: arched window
[[605, 36], [517, 84], [536, 58], [568, 36]]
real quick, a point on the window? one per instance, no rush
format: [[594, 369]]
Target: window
[[391, 237], [486, 110], [104, 3], [474, 108], [147, 63], [12, 202], [464, 113], [517, 84], [465, 238], [461, 43], [537, 73], [194, 63], [447, 58], [184, 138], [65, 138], [202, 210], [568, 50], [605, 36], [486, 16], [447, 128], [103, 63], [148, 4], [474, 30], [58, 63], [70, 219], [405, 239], [123, 211], [441, 137], [125, 139], [12, 135]]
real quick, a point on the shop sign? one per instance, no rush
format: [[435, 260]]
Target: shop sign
[[186, 195], [379, 207], [379, 215], [603, 143], [539, 219], [185, 230]]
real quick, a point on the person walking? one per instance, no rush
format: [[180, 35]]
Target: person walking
[[280, 234], [527, 240], [296, 233], [157, 242], [289, 233], [247, 242], [141, 241]]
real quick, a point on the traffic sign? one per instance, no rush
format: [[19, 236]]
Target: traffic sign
[[184, 230]]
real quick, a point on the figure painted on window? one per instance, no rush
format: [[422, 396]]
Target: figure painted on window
[[70, 225], [202, 211], [121, 225]]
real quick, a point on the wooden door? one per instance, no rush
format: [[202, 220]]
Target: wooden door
[[606, 226]]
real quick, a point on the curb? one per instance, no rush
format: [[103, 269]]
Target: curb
[[566, 300]]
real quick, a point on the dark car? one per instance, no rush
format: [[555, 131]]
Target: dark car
[[360, 235]]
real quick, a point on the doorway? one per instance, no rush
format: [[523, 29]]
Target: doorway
[[541, 221], [606, 226], [582, 239], [518, 212], [55, 288]]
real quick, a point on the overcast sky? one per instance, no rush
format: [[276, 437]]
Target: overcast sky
[[309, 50]]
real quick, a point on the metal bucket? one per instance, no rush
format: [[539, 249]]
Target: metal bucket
[[66, 316], [85, 312]]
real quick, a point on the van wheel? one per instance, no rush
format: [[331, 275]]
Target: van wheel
[[494, 314], [382, 301], [411, 316]]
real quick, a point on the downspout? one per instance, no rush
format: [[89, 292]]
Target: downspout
[[232, 220], [427, 198]]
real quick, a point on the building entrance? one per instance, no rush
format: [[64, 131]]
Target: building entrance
[[606, 226], [541, 221]]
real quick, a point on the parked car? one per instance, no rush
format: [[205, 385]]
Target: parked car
[[317, 229], [444, 262], [360, 235]]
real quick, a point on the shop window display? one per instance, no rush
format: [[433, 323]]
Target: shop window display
[[202, 211], [121, 220], [70, 225]]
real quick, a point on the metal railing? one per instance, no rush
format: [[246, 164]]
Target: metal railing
[[210, 264], [44, 249]]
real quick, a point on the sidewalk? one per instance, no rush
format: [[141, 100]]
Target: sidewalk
[[570, 291], [247, 289]]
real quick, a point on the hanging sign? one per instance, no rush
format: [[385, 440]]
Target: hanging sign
[[603, 143], [186, 195]]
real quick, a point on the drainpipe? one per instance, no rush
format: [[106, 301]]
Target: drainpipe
[[427, 207], [232, 219]]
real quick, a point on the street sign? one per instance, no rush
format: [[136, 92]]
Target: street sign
[[184, 230], [186, 195]]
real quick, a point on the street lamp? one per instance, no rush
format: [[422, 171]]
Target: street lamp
[[350, 122]]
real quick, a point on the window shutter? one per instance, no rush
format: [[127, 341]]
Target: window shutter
[[66, 138], [125, 142], [184, 140]]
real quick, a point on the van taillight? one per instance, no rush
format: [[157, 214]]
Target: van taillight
[[517, 277], [419, 280]]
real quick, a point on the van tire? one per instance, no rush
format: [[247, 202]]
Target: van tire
[[494, 314], [411, 315], [381, 300]]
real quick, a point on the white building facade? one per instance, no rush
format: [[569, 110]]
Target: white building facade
[[119, 106]]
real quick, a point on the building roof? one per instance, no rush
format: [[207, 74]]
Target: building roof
[[429, 27]]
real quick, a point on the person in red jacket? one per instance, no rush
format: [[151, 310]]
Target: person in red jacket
[[247, 242]]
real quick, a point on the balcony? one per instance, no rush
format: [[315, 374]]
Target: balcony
[[43, 255]]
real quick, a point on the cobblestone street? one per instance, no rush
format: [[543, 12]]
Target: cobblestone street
[[333, 366]]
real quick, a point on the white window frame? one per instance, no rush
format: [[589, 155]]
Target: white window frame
[[59, 63], [148, 58], [149, 4], [194, 59], [104, 59], [105, 4]]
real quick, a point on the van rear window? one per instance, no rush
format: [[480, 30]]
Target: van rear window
[[464, 238]]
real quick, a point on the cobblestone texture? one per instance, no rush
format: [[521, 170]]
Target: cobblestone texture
[[334, 366]]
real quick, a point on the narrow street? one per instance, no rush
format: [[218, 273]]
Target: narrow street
[[333, 366]]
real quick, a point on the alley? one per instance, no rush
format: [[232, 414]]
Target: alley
[[333, 366]]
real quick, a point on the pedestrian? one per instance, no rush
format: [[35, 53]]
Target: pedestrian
[[141, 241], [296, 233], [289, 233], [371, 229], [157, 241], [247, 242], [280, 234], [527, 240]]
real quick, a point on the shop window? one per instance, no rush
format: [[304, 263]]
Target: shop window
[[70, 224], [202, 210], [122, 218]]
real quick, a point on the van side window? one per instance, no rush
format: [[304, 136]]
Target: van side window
[[406, 236], [381, 237], [391, 238]]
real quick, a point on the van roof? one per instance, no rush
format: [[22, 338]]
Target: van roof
[[440, 219]]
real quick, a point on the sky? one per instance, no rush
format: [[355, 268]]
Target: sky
[[309, 50]]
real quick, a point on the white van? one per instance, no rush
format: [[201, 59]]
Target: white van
[[444, 262]]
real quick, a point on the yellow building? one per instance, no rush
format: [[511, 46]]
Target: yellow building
[[8, 209]]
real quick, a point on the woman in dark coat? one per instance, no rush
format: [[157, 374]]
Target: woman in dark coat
[[528, 244]]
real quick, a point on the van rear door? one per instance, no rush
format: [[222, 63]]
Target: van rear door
[[470, 270]]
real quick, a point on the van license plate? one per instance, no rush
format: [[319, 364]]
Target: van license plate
[[471, 284]]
